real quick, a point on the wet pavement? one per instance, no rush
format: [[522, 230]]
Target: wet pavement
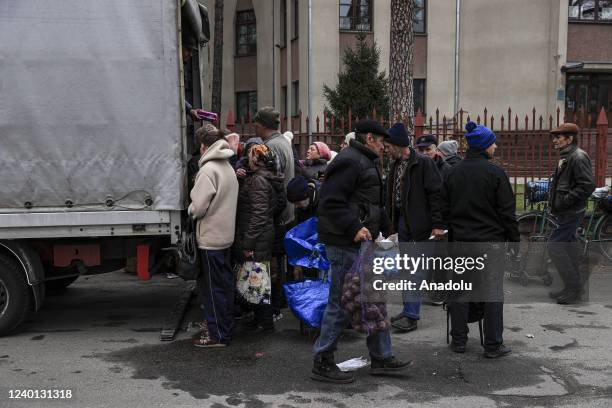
[[100, 339]]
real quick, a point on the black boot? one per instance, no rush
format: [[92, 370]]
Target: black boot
[[388, 366], [558, 294], [326, 370], [570, 297]]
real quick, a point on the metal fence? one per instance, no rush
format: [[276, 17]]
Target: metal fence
[[524, 146]]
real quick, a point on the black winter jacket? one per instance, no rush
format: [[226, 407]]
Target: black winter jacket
[[302, 214], [442, 166], [312, 168], [351, 197], [478, 202], [573, 182], [420, 196], [260, 197], [453, 160]]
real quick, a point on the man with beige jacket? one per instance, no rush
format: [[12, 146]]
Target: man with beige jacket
[[213, 203]]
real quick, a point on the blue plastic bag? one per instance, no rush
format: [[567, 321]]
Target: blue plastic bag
[[303, 247], [307, 299]]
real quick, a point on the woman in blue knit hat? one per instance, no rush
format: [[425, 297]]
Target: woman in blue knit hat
[[479, 207]]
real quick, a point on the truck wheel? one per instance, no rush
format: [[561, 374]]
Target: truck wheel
[[15, 295], [57, 285]]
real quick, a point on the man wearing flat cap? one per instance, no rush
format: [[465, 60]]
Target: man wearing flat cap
[[572, 185], [428, 145], [413, 199], [351, 210]]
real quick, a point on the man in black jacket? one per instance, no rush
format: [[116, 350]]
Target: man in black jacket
[[572, 185], [413, 197], [428, 145], [351, 211], [479, 207]]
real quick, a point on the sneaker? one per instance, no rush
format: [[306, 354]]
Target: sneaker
[[326, 370], [388, 366], [457, 348], [499, 352], [277, 317], [404, 324], [207, 342]]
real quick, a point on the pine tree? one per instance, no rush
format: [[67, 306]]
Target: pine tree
[[361, 88]]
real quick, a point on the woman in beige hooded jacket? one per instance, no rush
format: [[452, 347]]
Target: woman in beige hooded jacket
[[213, 204]]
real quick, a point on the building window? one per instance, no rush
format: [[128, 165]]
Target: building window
[[296, 19], [246, 102], [590, 10], [295, 98], [284, 101], [588, 93], [418, 22], [283, 23], [418, 86], [356, 15], [246, 33]]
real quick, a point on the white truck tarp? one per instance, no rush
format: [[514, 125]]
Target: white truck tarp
[[90, 104]]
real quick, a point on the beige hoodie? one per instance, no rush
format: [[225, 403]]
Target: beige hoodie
[[214, 198]]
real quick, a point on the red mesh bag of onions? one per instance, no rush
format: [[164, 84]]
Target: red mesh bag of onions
[[366, 307]]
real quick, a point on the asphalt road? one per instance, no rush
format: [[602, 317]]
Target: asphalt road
[[100, 339]]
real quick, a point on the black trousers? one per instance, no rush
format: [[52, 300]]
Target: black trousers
[[565, 251], [493, 323], [216, 287]]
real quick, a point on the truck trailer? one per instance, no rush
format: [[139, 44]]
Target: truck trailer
[[93, 141]]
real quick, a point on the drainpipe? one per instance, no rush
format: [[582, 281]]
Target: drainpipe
[[457, 46], [309, 72], [274, 53]]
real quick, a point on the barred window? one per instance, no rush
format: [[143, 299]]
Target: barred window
[[246, 33], [356, 15], [590, 10]]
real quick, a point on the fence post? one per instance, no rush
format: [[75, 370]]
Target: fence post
[[602, 148], [419, 124], [230, 122]]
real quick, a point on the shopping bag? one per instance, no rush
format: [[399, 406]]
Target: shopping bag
[[303, 248], [188, 266], [366, 307], [253, 282], [307, 300]]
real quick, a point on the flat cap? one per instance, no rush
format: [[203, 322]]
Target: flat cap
[[268, 117], [366, 126], [566, 129], [427, 140]]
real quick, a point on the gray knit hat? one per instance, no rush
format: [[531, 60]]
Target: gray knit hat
[[448, 148]]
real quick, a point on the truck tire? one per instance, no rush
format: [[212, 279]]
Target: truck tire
[[58, 285], [15, 295]]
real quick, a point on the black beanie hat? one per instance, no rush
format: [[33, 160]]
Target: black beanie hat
[[297, 190]]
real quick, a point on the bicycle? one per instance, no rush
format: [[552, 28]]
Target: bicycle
[[537, 225]]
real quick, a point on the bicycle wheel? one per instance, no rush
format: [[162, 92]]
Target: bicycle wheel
[[531, 224], [603, 232]]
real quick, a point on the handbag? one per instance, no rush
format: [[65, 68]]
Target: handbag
[[253, 282], [189, 260]]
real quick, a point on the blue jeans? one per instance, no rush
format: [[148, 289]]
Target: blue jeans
[[412, 299], [335, 318]]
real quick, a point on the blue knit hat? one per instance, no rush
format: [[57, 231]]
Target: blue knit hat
[[478, 136]]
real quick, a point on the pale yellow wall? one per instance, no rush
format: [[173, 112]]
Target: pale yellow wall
[[382, 35], [506, 55], [440, 83]]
